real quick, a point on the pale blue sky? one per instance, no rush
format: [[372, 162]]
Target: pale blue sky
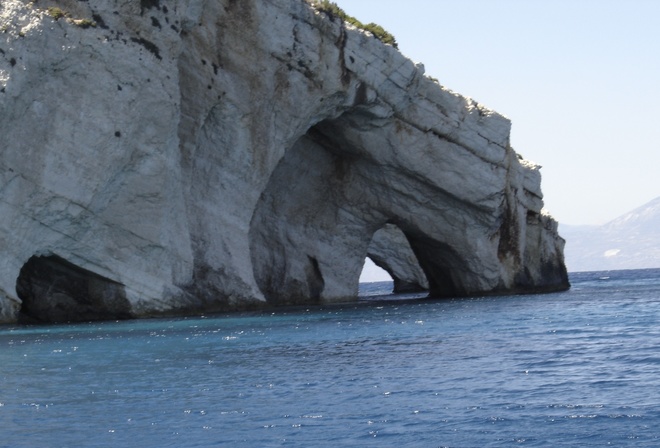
[[578, 78]]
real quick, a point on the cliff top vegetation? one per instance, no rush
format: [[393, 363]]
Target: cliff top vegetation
[[333, 10]]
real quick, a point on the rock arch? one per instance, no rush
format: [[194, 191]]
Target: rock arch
[[309, 233], [390, 250], [331, 192]]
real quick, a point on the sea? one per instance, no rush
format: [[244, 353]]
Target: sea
[[579, 368]]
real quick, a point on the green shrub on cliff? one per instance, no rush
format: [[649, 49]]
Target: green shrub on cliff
[[56, 13], [331, 9], [380, 33]]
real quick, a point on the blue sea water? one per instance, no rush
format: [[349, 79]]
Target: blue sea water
[[577, 368]]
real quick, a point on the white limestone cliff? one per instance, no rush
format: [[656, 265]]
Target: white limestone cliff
[[192, 156]]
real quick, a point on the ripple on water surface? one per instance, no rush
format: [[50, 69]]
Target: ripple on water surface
[[570, 369]]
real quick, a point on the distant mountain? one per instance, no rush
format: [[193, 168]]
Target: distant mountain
[[631, 241]]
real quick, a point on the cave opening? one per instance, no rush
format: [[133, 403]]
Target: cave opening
[[441, 264], [54, 290]]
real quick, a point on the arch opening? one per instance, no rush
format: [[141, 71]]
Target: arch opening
[[311, 227], [334, 191], [372, 273], [54, 290], [390, 250], [374, 280]]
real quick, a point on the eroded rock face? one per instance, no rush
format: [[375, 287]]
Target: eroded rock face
[[219, 155]]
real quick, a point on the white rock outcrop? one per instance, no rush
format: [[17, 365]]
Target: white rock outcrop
[[174, 157]]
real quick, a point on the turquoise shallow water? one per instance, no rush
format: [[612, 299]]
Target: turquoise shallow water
[[579, 368]]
